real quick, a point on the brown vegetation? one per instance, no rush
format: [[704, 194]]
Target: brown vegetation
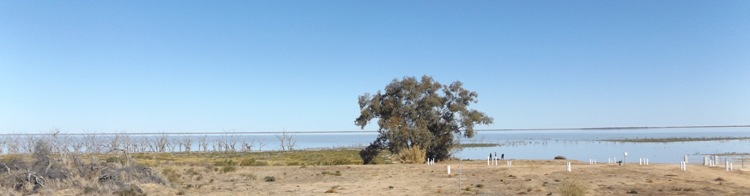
[[55, 165]]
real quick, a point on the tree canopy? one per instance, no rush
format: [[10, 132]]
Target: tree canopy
[[419, 113]]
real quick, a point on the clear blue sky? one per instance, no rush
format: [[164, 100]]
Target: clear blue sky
[[164, 66]]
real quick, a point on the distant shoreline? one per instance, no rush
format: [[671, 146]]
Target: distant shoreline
[[621, 128], [326, 132]]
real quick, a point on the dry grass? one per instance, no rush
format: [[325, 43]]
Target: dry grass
[[339, 172], [572, 188], [412, 155]]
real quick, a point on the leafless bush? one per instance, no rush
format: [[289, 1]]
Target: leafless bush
[[202, 143], [14, 145], [91, 143], [174, 144], [126, 142], [247, 146], [216, 146], [2, 145], [47, 170], [28, 145], [114, 142], [162, 144], [60, 146], [261, 144], [232, 143], [286, 141], [145, 145], [187, 142]]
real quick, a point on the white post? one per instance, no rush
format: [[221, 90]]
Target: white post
[[646, 161], [686, 159], [726, 164], [640, 161], [682, 163], [609, 160], [449, 169], [488, 160], [567, 167], [731, 165]]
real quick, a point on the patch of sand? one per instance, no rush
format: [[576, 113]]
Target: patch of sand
[[524, 177]]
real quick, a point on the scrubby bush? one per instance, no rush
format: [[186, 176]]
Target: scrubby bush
[[227, 169], [225, 162], [260, 163], [336, 161], [572, 188], [412, 155], [51, 168], [247, 161], [560, 157]]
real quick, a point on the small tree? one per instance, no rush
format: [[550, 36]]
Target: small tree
[[419, 113]]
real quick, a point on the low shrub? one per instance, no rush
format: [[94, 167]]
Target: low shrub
[[249, 176], [559, 157], [247, 161], [227, 169], [412, 155], [572, 188], [260, 163], [226, 162]]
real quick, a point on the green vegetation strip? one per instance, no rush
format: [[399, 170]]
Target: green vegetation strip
[[675, 139]]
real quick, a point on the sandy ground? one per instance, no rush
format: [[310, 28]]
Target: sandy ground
[[523, 177]]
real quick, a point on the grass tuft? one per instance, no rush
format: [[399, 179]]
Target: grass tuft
[[572, 188]]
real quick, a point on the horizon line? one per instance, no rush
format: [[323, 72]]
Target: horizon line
[[374, 131]]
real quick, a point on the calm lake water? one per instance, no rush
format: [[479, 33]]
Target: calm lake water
[[573, 144], [586, 144]]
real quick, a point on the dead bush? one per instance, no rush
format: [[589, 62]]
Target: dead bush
[[46, 170]]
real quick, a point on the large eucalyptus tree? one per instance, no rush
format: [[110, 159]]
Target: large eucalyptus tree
[[419, 113]]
